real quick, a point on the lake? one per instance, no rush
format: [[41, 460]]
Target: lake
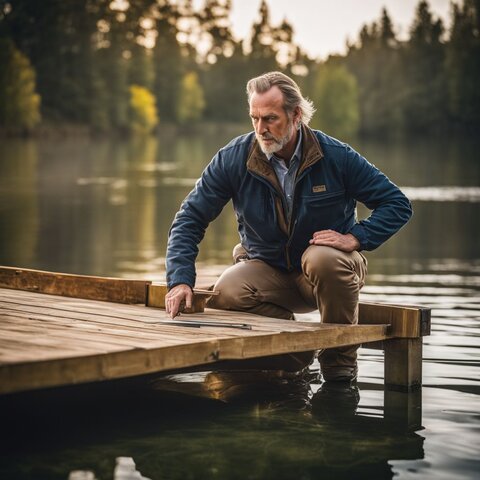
[[104, 207]]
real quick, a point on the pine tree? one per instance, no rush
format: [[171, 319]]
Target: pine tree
[[216, 27], [463, 65], [168, 62], [223, 73], [423, 66], [262, 54], [375, 60]]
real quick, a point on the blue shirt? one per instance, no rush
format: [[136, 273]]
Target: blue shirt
[[286, 176]]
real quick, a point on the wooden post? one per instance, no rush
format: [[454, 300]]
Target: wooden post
[[403, 364], [403, 351]]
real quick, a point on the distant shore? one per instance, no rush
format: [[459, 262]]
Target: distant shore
[[71, 130]]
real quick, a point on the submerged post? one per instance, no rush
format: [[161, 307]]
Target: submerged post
[[403, 410]]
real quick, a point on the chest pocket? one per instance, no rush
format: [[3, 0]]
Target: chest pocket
[[263, 208], [324, 198], [323, 210]]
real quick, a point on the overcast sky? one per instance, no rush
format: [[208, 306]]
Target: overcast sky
[[322, 26]]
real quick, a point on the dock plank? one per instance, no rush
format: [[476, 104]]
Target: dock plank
[[406, 321]]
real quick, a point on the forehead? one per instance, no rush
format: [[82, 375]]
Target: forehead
[[269, 101]]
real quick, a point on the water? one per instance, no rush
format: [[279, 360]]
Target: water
[[103, 207]]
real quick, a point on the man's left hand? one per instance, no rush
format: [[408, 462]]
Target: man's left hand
[[330, 238]]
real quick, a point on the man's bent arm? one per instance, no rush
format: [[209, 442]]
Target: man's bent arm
[[391, 209], [203, 204]]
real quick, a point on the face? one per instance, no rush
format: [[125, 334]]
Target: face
[[276, 131]]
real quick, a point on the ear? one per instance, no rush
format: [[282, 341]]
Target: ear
[[297, 115]]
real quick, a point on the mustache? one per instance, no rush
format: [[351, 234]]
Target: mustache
[[268, 136]]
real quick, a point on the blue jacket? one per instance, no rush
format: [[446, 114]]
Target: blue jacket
[[331, 178]]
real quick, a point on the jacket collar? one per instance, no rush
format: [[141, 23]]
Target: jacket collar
[[257, 161]]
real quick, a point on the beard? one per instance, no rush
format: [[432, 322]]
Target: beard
[[277, 142]]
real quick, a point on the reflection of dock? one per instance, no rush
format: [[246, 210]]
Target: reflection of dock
[[56, 340]]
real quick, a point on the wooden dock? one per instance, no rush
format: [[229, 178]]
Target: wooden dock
[[49, 340]]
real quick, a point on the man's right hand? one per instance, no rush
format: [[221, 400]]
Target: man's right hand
[[176, 296]]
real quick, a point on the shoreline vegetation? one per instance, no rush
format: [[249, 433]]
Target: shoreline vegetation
[[52, 130], [109, 68]]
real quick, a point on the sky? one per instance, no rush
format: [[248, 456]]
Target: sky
[[322, 26]]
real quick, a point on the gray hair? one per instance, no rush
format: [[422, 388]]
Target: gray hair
[[292, 95]]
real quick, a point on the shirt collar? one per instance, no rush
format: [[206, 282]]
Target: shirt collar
[[298, 149]]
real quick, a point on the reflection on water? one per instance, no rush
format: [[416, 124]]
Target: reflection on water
[[104, 207], [19, 218], [267, 429]]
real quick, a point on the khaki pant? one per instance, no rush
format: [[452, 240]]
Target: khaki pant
[[330, 281]]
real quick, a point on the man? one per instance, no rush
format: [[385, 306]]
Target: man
[[294, 192]]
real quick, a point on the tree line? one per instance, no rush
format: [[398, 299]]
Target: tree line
[[125, 65]]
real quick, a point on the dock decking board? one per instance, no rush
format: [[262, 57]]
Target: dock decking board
[[47, 340]]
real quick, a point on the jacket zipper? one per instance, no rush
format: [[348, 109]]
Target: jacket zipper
[[291, 228], [272, 188], [287, 246]]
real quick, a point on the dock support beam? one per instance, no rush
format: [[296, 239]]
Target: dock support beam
[[403, 364], [402, 393], [403, 351]]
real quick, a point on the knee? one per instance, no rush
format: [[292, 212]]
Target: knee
[[233, 292], [322, 262]]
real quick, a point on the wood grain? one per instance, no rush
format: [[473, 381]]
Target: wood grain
[[406, 321], [79, 286], [48, 341]]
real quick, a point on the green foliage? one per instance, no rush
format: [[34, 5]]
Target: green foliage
[[81, 57], [168, 68], [97, 94], [463, 65], [19, 102], [424, 106], [140, 67], [143, 112], [336, 99], [191, 102], [426, 84], [376, 62], [224, 88]]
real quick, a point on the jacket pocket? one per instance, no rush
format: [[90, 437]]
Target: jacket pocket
[[324, 198], [322, 211]]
